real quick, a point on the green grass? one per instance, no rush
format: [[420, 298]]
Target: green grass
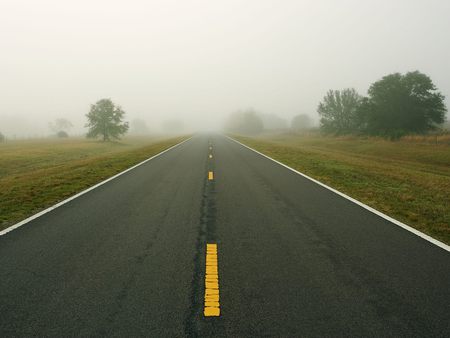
[[409, 181], [39, 173]]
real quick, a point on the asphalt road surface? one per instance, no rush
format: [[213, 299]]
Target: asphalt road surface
[[294, 259]]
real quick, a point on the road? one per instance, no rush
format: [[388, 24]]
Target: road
[[294, 259]]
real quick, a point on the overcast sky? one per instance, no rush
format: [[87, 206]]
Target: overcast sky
[[200, 60]]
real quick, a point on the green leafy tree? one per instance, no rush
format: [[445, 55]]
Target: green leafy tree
[[339, 111], [2, 138], [105, 119], [401, 104]]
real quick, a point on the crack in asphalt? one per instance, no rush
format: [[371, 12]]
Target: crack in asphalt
[[206, 233], [138, 261]]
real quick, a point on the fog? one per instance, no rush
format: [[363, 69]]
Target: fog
[[197, 61]]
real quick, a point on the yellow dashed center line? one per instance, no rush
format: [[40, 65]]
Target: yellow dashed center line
[[212, 305], [210, 176]]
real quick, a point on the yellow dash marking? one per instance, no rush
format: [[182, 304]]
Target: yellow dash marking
[[212, 311], [212, 305], [211, 285], [212, 298], [210, 176]]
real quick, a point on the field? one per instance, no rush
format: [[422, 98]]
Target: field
[[408, 180], [36, 174]]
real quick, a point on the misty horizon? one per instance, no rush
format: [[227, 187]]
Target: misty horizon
[[198, 61]]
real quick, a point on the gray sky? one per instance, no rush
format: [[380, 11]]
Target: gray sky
[[199, 60]]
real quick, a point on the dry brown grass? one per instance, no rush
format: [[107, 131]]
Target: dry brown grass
[[437, 138]]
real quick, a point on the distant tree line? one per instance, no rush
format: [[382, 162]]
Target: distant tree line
[[252, 122], [245, 122], [106, 120], [395, 106]]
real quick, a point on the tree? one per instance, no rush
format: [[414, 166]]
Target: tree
[[301, 122], [105, 119], [245, 122], [2, 138], [338, 111], [400, 104], [61, 127]]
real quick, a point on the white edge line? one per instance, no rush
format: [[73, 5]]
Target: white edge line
[[379, 213], [43, 212]]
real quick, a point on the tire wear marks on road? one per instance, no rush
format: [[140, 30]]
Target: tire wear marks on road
[[137, 261], [379, 298]]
